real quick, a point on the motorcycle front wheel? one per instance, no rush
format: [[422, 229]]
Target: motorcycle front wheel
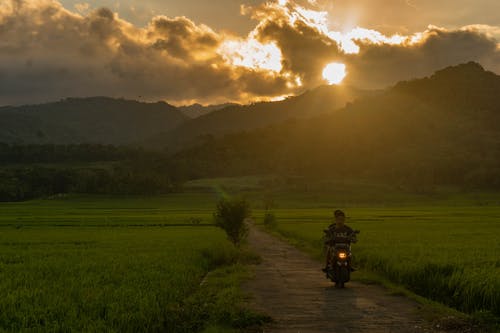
[[344, 276]]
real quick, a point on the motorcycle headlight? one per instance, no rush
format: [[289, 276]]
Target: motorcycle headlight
[[342, 255]]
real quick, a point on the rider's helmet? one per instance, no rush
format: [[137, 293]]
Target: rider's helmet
[[339, 213]]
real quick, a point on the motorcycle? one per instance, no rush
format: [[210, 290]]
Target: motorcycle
[[339, 268]]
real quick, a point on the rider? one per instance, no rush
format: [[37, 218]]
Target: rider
[[338, 234]]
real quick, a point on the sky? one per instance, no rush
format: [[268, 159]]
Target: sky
[[388, 16], [230, 51]]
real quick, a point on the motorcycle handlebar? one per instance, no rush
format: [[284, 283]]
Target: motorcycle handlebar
[[326, 231]]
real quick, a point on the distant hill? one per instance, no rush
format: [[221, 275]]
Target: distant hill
[[87, 120], [443, 129], [198, 110], [467, 87], [236, 118], [106, 120]]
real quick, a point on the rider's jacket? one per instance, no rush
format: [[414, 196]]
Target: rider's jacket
[[342, 236]]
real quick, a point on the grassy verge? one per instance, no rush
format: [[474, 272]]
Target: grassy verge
[[218, 305]]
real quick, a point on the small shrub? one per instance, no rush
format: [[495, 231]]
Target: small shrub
[[230, 215], [269, 219]]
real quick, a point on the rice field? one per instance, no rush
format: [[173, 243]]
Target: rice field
[[116, 265], [126, 264]]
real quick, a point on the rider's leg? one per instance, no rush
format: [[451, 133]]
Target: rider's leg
[[328, 256], [351, 264]]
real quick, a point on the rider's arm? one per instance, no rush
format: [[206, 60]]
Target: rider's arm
[[328, 236], [354, 239]]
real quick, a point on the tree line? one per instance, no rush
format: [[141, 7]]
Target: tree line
[[33, 171], [417, 159]]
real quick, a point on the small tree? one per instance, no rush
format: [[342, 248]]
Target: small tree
[[230, 215], [269, 219]]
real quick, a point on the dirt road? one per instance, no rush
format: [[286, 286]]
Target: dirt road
[[290, 287]]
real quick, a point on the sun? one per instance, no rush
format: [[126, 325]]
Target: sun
[[334, 73]]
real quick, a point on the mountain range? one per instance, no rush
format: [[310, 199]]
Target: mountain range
[[154, 125], [87, 120], [455, 111]]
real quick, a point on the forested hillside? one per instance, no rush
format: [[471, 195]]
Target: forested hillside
[[444, 129], [98, 120]]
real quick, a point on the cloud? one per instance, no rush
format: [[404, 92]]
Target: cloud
[[82, 7], [182, 39], [48, 52], [373, 59], [381, 65]]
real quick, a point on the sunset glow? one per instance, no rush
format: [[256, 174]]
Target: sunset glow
[[349, 40], [252, 54], [242, 52], [334, 73], [255, 55]]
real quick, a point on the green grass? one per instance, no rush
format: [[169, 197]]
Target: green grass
[[107, 263], [450, 254], [103, 264], [91, 211]]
